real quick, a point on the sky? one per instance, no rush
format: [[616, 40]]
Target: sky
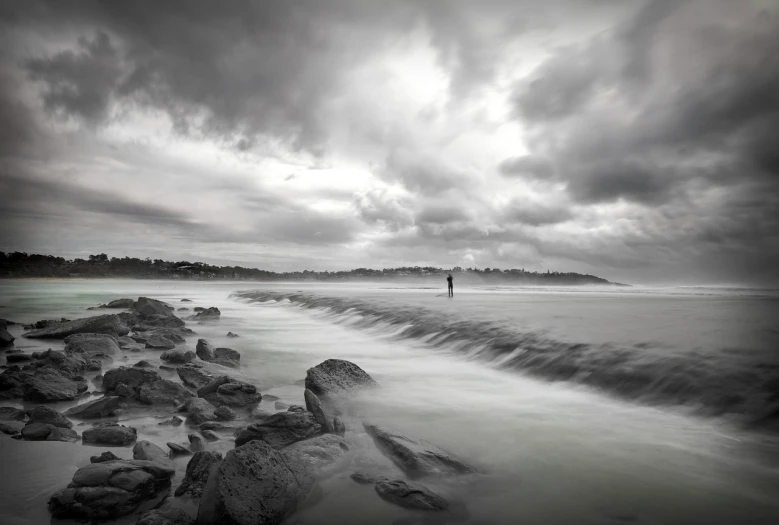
[[636, 140]]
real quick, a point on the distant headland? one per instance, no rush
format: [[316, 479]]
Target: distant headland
[[23, 265]]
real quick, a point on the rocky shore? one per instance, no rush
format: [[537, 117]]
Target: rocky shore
[[250, 458]]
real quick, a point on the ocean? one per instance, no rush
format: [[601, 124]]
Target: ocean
[[577, 405]]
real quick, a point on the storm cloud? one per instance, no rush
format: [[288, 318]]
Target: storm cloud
[[634, 140]]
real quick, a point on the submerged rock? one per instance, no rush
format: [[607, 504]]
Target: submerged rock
[[410, 495], [225, 390], [281, 429], [110, 434], [178, 356], [198, 469], [415, 456], [194, 376], [335, 377], [159, 342], [319, 451], [47, 415], [163, 392], [120, 303], [314, 405], [232, 335], [12, 414], [104, 407], [105, 456], [110, 489], [174, 421], [253, 485], [92, 346], [206, 314], [148, 451], [101, 324]]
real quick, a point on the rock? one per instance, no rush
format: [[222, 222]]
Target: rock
[[198, 309], [281, 429], [148, 451], [93, 365], [120, 303], [338, 426], [104, 407], [416, 457], [281, 406], [101, 324], [143, 364], [178, 450], [226, 354], [92, 346], [18, 358], [231, 335], [109, 434], [314, 405], [194, 376], [199, 411], [149, 307], [11, 428], [215, 425], [197, 473], [161, 324], [6, 339], [44, 414], [225, 413], [167, 515], [296, 408], [319, 451], [12, 414], [105, 456], [110, 489], [210, 435], [206, 314], [71, 366], [410, 495], [335, 378], [182, 310], [186, 300], [204, 350], [133, 378], [163, 392], [178, 356], [196, 441], [253, 485], [159, 342], [47, 385], [47, 432], [174, 421], [366, 479], [225, 390]]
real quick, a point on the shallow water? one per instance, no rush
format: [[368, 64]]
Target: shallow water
[[549, 452]]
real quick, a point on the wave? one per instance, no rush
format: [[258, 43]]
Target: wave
[[741, 384]]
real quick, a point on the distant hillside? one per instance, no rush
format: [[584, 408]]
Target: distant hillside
[[20, 264]]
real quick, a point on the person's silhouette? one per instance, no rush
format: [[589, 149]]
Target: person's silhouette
[[450, 280]]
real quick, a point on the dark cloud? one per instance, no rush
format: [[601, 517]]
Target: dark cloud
[[527, 166], [441, 213], [533, 213]]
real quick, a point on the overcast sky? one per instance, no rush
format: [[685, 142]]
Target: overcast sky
[[634, 140]]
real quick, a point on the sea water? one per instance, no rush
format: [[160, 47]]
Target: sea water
[[576, 405]]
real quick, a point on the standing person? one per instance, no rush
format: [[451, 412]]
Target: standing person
[[450, 280]]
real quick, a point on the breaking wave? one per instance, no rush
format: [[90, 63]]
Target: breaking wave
[[741, 385]]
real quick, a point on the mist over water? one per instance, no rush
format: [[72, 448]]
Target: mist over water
[[482, 376]]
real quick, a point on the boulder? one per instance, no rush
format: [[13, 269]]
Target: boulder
[[159, 342], [182, 309], [143, 364], [178, 450], [196, 441], [198, 308], [225, 390], [44, 414], [12, 428], [366, 479], [227, 354], [47, 384], [47, 432], [206, 314], [6, 339], [159, 323], [225, 413], [199, 411], [18, 358], [105, 456], [232, 335], [335, 378], [71, 366], [415, 456], [109, 434], [338, 426], [296, 408], [133, 379], [178, 356], [410, 495], [106, 406], [319, 451], [163, 392], [12, 414], [194, 376], [167, 515], [253, 485], [314, 405], [197, 473], [110, 489], [120, 303], [148, 307], [204, 350], [281, 429], [174, 421], [101, 324], [210, 435], [92, 346], [148, 451]]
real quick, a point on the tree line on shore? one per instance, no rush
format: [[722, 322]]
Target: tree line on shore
[[20, 264]]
